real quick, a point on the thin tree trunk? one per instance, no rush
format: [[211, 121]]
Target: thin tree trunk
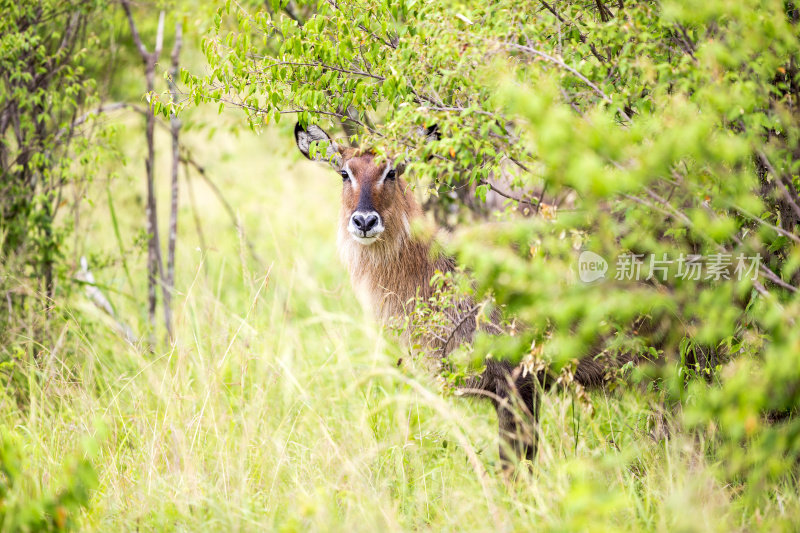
[[152, 214], [175, 127], [155, 266]]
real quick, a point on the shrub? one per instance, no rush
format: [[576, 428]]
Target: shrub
[[660, 136]]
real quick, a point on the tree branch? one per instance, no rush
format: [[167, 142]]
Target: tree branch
[[137, 39], [563, 65], [186, 158], [581, 35], [159, 35], [326, 67], [175, 127], [779, 178]]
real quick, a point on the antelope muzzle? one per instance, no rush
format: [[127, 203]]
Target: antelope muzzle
[[365, 226]]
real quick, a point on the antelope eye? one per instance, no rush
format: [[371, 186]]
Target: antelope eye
[[392, 174], [345, 175]]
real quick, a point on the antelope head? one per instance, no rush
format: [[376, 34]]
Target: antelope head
[[377, 206]]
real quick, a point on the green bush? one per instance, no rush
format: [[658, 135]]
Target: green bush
[[25, 505], [671, 128], [45, 92]]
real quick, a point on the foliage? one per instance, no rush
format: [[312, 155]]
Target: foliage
[[429, 328], [280, 406], [670, 128], [43, 88], [609, 127], [24, 506]]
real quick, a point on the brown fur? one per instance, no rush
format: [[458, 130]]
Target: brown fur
[[396, 269], [390, 273], [387, 273]]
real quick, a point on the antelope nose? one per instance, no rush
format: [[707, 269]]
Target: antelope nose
[[364, 223]]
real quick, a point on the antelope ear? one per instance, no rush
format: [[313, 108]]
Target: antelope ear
[[326, 148], [429, 133], [432, 133]]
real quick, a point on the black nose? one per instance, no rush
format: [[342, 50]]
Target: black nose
[[363, 223]]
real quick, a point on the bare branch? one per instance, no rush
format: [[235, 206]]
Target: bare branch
[[685, 42], [99, 299], [175, 127], [155, 267], [137, 39], [563, 65], [791, 199], [159, 34], [507, 195], [187, 159], [773, 227], [325, 66], [581, 35], [605, 13], [469, 314], [104, 108], [663, 211]]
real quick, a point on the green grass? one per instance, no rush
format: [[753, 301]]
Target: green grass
[[280, 406]]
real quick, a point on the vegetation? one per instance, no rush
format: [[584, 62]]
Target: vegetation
[[43, 87], [661, 136]]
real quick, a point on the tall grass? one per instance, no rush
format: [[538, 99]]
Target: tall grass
[[280, 405]]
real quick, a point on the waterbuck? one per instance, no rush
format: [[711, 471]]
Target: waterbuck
[[390, 267]]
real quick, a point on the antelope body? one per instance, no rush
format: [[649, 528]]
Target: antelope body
[[389, 267]]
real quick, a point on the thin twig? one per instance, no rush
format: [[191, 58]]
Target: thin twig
[[159, 34], [464, 318], [563, 65], [137, 39], [494, 188], [779, 178], [187, 159], [581, 35], [175, 128], [324, 66], [197, 223]]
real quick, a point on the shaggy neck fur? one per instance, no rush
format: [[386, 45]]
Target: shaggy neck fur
[[398, 267]]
